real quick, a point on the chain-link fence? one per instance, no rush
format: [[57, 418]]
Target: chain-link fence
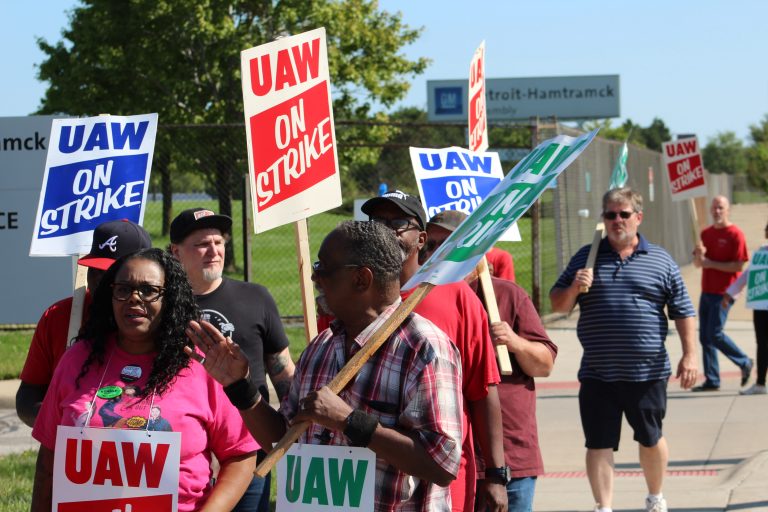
[[205, 165]]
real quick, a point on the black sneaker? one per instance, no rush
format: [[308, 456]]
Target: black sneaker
[[705, 387], [746, 371]]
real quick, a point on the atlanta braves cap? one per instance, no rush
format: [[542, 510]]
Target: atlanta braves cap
[[198, 218], [113, 240]]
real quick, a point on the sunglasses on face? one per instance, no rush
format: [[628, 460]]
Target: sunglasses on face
[[395, 224], [147, 292], [432, 245], [612, 215]]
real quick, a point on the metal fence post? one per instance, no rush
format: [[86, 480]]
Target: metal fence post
[[247, 231]]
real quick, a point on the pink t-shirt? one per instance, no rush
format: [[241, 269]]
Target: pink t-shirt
[[194, 405]]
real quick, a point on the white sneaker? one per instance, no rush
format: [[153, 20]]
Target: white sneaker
[[755, 389], [655, 504]]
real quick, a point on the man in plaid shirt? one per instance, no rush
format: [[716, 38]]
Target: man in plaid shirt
[[405, 403]]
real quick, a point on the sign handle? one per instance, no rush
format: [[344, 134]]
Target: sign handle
[[694, 221], [598, 236], [489, 297], [305, 279], [78, 302], [346, 374]]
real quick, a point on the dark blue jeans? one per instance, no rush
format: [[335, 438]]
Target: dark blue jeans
[[256, 497], [712, 316]]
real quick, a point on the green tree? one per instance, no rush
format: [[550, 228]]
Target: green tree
[[650, 137], [725, 153], [757, 154], [181, 58]]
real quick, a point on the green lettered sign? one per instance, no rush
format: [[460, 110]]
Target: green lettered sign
[[757, 280], [313, 477], [505, 204]]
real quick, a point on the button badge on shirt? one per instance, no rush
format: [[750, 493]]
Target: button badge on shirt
[[130, 373]]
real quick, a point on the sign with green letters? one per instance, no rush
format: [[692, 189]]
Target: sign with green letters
[[757, 280], [503, 206], [316, 478]]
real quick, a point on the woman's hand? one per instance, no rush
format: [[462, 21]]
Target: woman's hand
[[222, 359]]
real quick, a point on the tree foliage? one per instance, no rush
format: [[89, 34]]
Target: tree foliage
[[725, 154], [757, 154], [181, 59], [651, 137]]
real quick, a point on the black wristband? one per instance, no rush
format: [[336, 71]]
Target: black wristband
[[243, 394], [360, 428]]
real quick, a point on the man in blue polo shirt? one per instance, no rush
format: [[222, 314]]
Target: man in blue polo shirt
[[622, 328]]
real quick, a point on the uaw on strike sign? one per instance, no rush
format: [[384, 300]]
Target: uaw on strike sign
[[97, 170], [115, 470], [684, 168], [291, 142]]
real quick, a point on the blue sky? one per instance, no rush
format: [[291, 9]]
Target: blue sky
[[698, 65]]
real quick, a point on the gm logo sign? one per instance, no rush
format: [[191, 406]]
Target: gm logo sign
[[448, 100]]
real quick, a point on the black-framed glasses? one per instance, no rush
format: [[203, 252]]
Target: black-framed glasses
[[320, 271], [401, 224], [147, 292], [612, 215]]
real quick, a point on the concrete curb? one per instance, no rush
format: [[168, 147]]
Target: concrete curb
[[8, 390]]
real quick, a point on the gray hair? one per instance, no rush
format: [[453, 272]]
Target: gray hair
[[372, 245], [623, 195]]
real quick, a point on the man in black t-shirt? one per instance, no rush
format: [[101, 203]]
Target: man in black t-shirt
[[246, 312]]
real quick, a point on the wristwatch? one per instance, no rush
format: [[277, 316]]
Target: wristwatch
[[503, 473]]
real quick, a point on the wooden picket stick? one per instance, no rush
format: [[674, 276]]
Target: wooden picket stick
[[349, 371], [596, 239], [489, 297], [305, 279], [78, 302]]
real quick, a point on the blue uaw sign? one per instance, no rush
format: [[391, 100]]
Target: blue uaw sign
[[457, 179], [97, 170]]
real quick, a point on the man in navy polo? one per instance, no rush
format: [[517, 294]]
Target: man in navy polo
[[622, 328]]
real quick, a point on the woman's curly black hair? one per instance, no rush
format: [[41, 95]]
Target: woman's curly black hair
[[178, 308]]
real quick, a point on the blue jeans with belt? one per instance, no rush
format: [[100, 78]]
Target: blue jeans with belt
[[712, 316]]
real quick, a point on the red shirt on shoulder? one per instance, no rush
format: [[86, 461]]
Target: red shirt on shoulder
[[724, 244]]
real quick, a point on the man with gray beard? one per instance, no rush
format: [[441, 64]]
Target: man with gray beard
[[244, 312]]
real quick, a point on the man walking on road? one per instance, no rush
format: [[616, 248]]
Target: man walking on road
[[721, 256], [622, 328]]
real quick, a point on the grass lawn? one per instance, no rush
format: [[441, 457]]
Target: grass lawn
[[18, 472], [13, 352]]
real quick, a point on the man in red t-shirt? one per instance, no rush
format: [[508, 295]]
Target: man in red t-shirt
[[532, 354], [111, 241], [456, 310], [721, 255]]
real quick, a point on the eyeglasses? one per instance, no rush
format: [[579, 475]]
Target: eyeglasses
[[320, 271], [398, 225], [612, 215], [147, 292]]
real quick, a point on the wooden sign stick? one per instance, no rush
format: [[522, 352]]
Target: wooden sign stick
[[489, 297], [592, 256], [305, 279], [78, 302], [694, 221], [347, 373]]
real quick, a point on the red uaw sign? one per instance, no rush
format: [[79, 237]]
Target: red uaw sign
[[684, 168], [292, 158], [108, 470], [478, 121]]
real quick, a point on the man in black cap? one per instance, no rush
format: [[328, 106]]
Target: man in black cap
[[111, 241], [244, 312], [456, 310]]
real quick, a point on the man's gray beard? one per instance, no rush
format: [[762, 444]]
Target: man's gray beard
[[210, 276], [406, 250]]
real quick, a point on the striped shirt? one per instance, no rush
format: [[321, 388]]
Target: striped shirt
[[622, 324], [412, 383]]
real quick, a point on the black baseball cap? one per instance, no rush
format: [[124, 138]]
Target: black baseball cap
[[198, 218], [408, 204], [113, 240], [448, 219]]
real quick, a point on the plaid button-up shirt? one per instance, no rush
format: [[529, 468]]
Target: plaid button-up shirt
[[413, 383]]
